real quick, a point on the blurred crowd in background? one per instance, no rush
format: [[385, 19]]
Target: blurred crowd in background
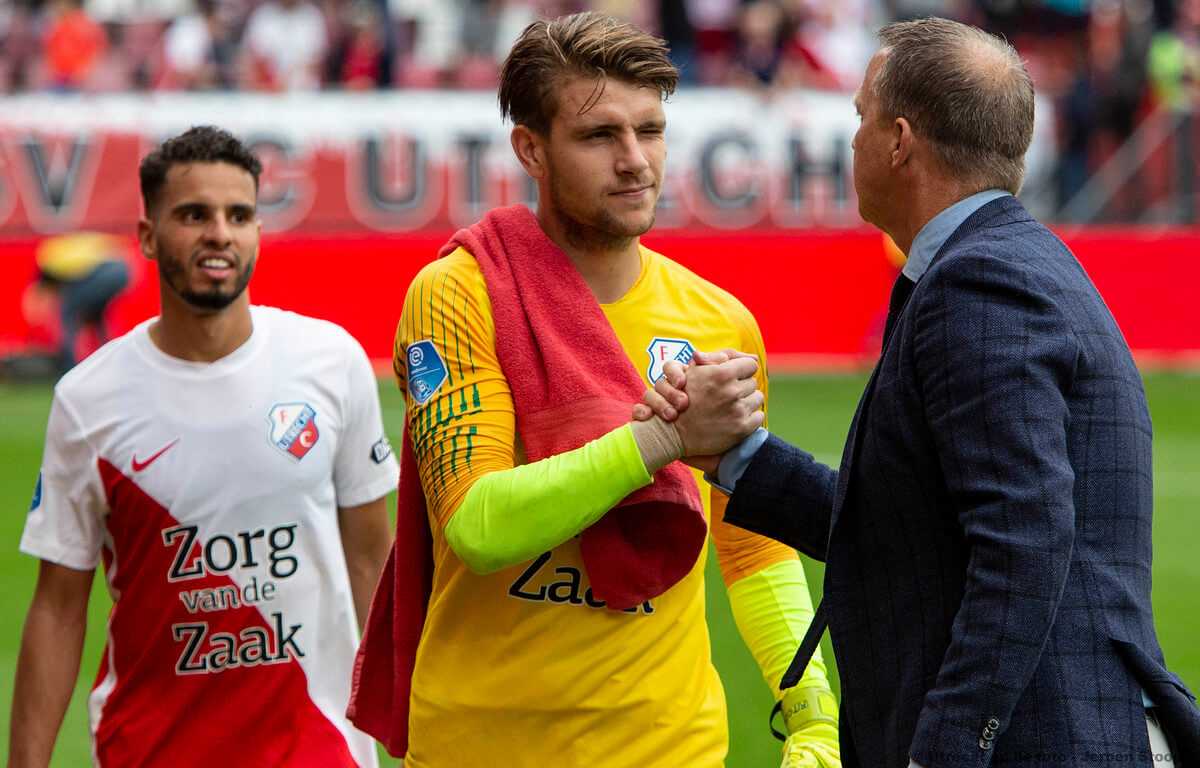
[[1104, 64]]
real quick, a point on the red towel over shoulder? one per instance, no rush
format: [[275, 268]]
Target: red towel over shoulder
[[571, 382]]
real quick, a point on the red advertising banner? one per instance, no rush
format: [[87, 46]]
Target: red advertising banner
[[820, 297]]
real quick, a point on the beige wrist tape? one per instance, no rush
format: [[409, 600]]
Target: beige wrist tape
[[657, 442]]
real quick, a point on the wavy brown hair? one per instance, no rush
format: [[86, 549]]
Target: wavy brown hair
[[589, 45]]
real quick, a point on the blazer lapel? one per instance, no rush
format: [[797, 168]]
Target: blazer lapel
[[901, 291]]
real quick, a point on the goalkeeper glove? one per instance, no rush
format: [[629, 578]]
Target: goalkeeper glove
[[810, 718]]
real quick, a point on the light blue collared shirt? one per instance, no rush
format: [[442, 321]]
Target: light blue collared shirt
[[925, 246], [937, 231]]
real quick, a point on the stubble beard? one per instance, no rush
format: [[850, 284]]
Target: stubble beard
[[604, 232], [173, 274]]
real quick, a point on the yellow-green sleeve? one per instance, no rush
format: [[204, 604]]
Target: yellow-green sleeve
[[772, 610], [510, 516]]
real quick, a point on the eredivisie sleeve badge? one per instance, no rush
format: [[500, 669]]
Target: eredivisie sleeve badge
[[661, 350], [293, 428], [426, 370]]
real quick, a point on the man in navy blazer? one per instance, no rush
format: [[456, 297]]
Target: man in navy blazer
[[987, 538]]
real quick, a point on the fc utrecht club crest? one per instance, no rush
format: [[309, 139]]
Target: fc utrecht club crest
[[661, 350], [293, 428]]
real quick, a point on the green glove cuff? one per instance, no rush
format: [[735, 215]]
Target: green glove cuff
[[808, 704], [805, 707]]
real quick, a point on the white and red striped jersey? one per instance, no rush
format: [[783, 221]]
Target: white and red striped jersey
[[211, 492]]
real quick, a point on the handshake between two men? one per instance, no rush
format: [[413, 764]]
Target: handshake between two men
[[696, 413], [706, 409]]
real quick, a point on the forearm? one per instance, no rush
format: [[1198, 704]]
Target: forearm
[[510, 516], [364, 578], [47, 668], [786, 495], [366, 540], [772, 609]]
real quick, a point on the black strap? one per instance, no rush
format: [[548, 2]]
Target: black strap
[[771, 721], [808, 646]]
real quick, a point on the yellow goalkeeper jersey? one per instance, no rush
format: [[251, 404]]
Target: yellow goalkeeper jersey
[[525, 667]]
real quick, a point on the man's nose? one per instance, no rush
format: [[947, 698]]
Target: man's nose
[[218, 230], [631, 157]]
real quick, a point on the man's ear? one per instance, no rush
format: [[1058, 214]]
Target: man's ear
[[146, 240], [530, 149], [902, 143]]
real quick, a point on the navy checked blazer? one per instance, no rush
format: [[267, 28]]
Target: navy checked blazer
[[987, 538]]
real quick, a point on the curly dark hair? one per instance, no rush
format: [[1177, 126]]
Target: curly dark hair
[[589, 45], [201, 144]]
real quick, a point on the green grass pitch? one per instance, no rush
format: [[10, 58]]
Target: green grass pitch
[[813, 411]]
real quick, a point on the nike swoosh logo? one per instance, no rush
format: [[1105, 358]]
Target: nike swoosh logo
[[138, 466]]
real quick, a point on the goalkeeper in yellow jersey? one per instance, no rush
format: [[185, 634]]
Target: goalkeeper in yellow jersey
[[561, 620]]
